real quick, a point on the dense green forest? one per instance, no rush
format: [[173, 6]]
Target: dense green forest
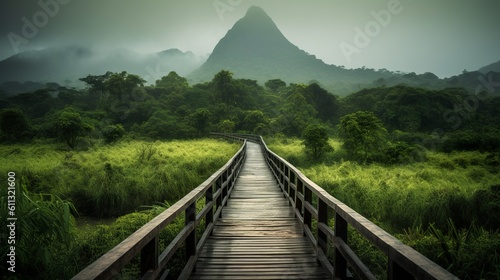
[[99, 153], [117, 104]]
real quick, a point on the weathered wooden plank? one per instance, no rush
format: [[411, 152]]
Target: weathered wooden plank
[[263, 275], [271, 262]]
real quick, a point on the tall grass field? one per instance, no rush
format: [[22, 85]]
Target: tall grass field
[[120, 184], [447, 206]]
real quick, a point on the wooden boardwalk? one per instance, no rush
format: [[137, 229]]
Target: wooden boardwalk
[[258, 236]]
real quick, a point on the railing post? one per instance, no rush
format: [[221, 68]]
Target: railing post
[[300, 190], [286, 182], [282, 177], [230, 175], [149, 256], [191, 238], [277, 169], [293, 182], [225, 186], [218, 201], [307, 214], [340, 271], [322, 218], [209, 197]]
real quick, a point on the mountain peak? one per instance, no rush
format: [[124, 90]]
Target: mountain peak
[[255, 48], [255, 11], [257, 20], [253, 41], [255, 31]]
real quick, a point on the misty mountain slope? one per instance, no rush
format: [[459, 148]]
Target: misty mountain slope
[[494, 67], [60, 64], [255, 48]]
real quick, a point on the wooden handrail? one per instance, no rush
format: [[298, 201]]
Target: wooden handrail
[[144, 241], [404, 261], [238, 136]]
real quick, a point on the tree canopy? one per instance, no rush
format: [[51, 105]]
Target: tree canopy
[[363, 134], [316, 140]]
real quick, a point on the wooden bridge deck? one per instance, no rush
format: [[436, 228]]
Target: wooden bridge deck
[[258, 236]]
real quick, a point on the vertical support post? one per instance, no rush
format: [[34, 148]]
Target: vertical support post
[[322, 218], [286, 183], [307, 214], [300, 189], [209, 197], [191, 238], [230, 172], [149, 256], [276, 167], [293, 182], [280, 175], [218, 202], [225, 185], [340, 262]]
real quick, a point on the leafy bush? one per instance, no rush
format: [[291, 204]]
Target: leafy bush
[[14, 125], [363, 134], [403, 153], [316, 141], [112, 133], [71, 126]]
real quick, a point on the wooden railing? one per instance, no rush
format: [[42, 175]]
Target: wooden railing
[[144, 241], [403, 261]]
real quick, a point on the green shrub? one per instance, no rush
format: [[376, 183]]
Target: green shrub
[[316, 141], [403, 153], [14, 125], [364, 136], [112, 133]]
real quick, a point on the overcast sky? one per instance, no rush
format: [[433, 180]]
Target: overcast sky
[[443, 37]]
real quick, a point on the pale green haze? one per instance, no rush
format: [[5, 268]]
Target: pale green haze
[[443, 37]]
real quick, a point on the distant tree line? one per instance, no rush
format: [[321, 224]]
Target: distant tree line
[[120, 104]]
